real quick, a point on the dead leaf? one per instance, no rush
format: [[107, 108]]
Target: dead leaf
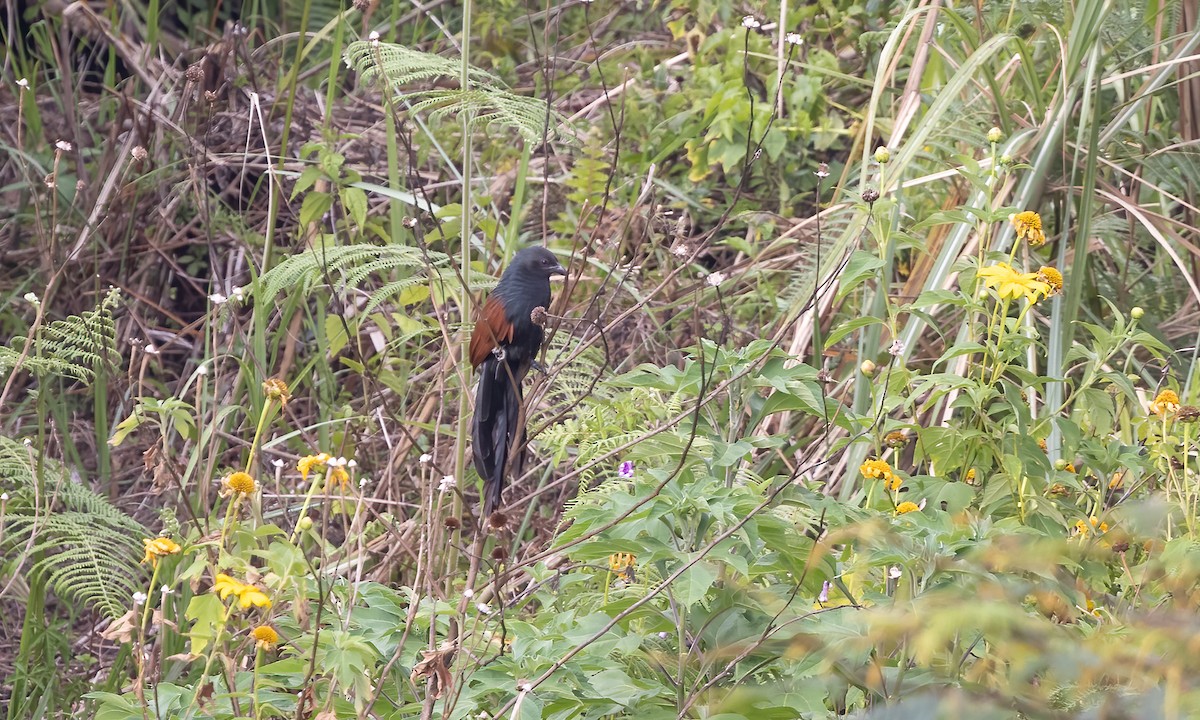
[[435, 667]]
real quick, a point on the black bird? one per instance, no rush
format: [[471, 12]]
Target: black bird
[[504, 344]]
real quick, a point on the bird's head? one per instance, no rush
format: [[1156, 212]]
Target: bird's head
[[537, 262]]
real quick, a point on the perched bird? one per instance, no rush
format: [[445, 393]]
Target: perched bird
[[503, 347]]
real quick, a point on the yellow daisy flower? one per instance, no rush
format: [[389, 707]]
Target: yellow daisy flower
[[247, 595], [1165, 403], [879, 469], [1028, 225], [308, 463], [1052, 277], [265, 636], [157, 548], [906, 507], [622, 564], [240, 482], [276, 389], [1008, 283]]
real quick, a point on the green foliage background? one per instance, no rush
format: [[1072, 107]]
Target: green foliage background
[[798, 450]]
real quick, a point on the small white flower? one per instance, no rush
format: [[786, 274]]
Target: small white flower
[[447, 483], [27, 442], [524, 686], [751, 22], [681, 251], [202, 369], [63, 145], [217, 299], [373, 37], [351, 463], [897, 348], [715, 279], [664, 635], [239, 293], [426, 458], [338, 462], [32, 299], [139, 598], [822, 170], [468, 593], [3, 497], [483, 608], [150, 349], [166, 590], [793, 39], [277, 462], [362, 483], [894, 572], [23, 84]]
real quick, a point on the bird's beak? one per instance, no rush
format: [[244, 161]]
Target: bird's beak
[[558, 270]]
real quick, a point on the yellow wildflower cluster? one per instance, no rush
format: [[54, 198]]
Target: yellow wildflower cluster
[[318, 462], [247, 595], [1010, 284], [879, 469], [622, 564], [157, 548], [1093, 525], [907, 507], [1028, 225], [1165, 403], [896, 439]]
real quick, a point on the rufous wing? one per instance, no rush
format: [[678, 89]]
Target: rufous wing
[[492, 329]]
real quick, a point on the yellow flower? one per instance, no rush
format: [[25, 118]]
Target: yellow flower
[[1052, 277], [159, 547], [1009, 283], [225, 586], [1069, 468], [276, 389], [881, 470], [907, 507], [265, 636], [307, 463], [622, 564], [247, 595], [240, 482], [1028, 225], [1042, 445], [1083, 528], [1165, 403], [1118, 479], [896, 439], [970, 476]]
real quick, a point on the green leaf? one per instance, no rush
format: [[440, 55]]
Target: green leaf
[[207, 613]]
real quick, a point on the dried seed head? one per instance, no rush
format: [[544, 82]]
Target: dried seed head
[[538, 316], [497, 520], [452, 523], [870, 195], [195, 73]]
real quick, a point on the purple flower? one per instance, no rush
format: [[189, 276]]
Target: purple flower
[[626, 470], [824, 596]]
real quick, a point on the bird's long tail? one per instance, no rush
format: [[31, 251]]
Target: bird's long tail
[[497, 428]]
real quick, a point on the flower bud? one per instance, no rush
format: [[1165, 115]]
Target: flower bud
[[995, 135], [867, 368], [305, 524], [1060, 464], [882, 155], [1137, 313]]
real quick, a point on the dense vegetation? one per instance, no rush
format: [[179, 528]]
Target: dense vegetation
[[872, 390]]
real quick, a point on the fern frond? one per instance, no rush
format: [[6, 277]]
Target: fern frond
[[487, 102], [351, 264], [405, 66], [72, 347], [88, 549]]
